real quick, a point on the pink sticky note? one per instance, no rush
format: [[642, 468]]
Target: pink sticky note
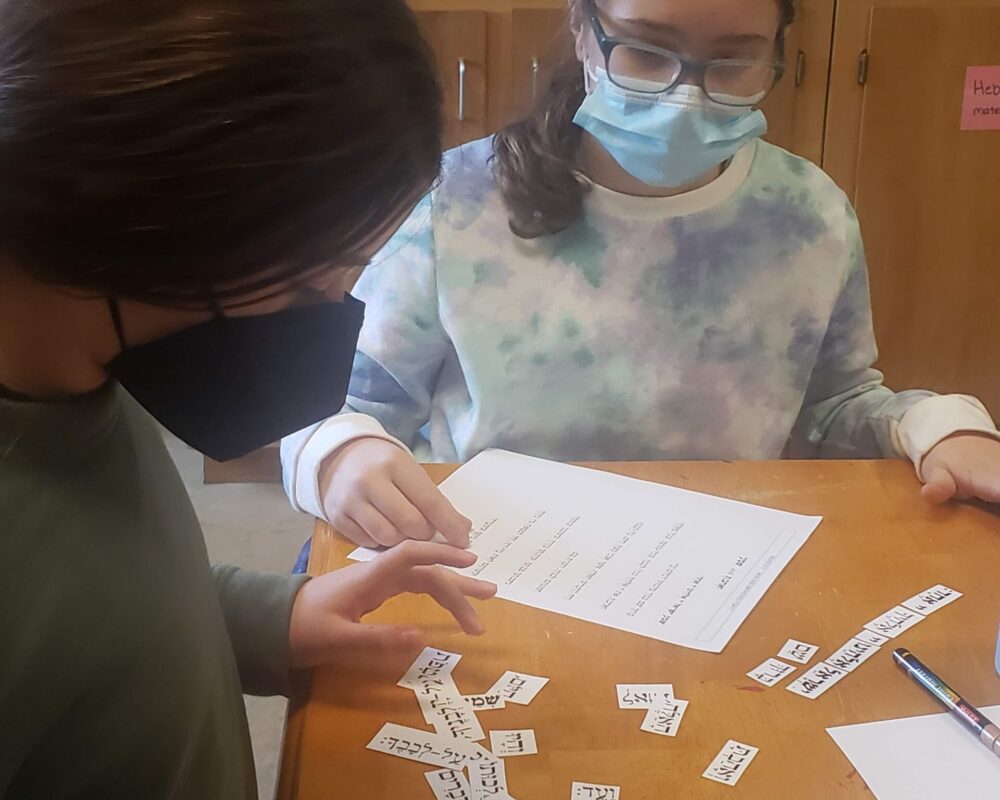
[[981, 109]]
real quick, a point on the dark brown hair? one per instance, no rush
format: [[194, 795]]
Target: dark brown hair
[[535, 158], [158, 150]]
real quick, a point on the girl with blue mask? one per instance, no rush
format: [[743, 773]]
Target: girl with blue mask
[[663, 131], [628, 273]]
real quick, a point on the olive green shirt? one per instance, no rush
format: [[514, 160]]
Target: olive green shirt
[[123, 654]]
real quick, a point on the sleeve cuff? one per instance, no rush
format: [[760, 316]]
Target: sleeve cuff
[[934, 419], [257, 607], [302, 459]]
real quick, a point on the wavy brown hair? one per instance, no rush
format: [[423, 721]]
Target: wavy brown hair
[[535, 158], [154, 149]]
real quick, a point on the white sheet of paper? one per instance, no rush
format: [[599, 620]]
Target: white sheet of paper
[[853, 654], [595, 791], [417, 745], [921, 758], [817, 680], [930, 600], [513, 743], [771, 672], [449, 784], [485, 702], [797, 651], [430, 665], [643, 695], [733, 759], [665, 719], [894, 621], [518, 687], [488, 779], [654, 560]]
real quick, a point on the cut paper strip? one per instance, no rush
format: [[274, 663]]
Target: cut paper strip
[[816, 681], [513, 743], [449, 784], [595, 791], [894, 621], [771, 672], [433, 691], [487, 780], [417, 745], [431, 664], [930, 600], [485, 702], [871, 637], [852, 655], [665, 719], [643, 695], [517, 687], [450, 715], [732, 761], [797, 651]]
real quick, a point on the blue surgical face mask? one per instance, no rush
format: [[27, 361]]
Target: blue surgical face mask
[[668, 139]]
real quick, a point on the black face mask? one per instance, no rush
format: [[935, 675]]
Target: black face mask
[[233, 384]]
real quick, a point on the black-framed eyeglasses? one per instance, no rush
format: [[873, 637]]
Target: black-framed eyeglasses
[[646, 69]]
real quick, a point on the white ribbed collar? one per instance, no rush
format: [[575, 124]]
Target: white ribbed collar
[[606, 201]]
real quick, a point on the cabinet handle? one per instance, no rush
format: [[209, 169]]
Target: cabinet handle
[[800, 69], [461, 90], [535, 67]]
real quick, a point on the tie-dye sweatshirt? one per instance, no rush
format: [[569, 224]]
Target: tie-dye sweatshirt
[[731, 322]]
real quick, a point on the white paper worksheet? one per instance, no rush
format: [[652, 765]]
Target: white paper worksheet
[[674, 565]]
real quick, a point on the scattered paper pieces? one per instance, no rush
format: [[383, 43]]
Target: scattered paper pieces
[[485, 702], [862, 646], [817, 680], [930, 600], [871, 637], [643, 695], [732, 761], [771, 672], [417, 745], [449, 784], [852, 655], [487, 779], [430, 665], [595, 791], [516, 687], [666, 718], [797, 651], [513, 743], [895, 621]]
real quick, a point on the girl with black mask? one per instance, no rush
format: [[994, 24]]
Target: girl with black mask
[[183, 185]]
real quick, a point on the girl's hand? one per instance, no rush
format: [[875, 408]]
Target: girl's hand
[[377, 495], [964, 466], [326, 625]]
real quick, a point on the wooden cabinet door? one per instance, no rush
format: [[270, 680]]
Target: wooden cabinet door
[[539, 38], [928, 196], [459, 42]]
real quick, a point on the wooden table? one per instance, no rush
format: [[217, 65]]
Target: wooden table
[[879, 544]]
